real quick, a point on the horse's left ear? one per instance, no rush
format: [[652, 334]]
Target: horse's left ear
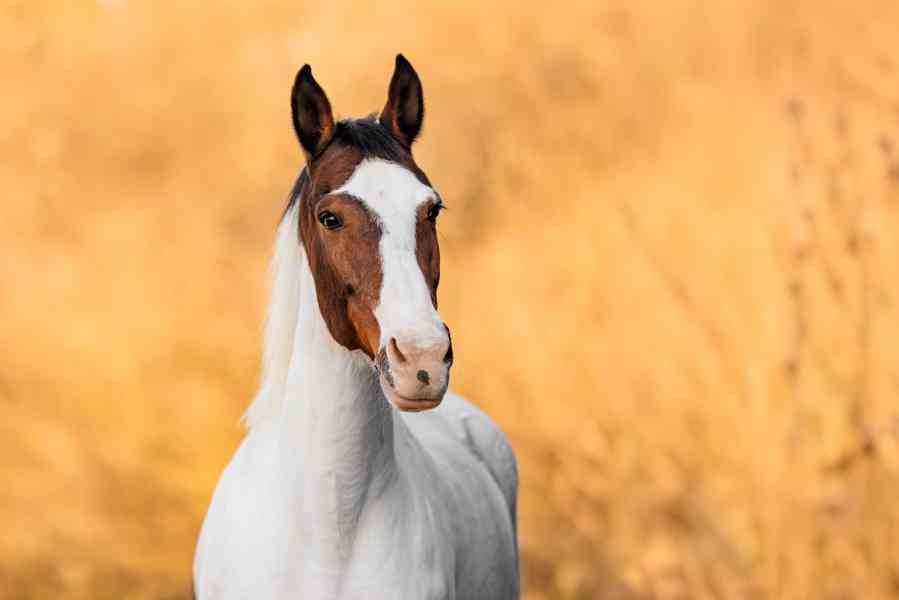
[[405, 107]]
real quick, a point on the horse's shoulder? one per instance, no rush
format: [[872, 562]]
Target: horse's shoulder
[[492, 449]]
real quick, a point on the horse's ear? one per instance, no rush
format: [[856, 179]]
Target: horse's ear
[[312, 117], [405, 107]]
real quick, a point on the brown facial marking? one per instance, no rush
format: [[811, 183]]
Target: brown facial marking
[[345, 262], [427, 250]]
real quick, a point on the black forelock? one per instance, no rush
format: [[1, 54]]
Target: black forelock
[[366, 134], [372, 138]]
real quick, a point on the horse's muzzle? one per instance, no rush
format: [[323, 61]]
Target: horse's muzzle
[[415, 376]]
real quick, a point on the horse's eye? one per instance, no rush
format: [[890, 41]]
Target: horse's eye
[[433, 211], [329, 220]]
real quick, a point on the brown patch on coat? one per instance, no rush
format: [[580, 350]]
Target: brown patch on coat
[[346, 262]]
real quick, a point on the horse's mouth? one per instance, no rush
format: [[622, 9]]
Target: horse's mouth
[[410, 404]]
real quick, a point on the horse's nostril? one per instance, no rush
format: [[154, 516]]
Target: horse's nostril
[[384, 367], [400, 357], [423, 376], [448, 358]]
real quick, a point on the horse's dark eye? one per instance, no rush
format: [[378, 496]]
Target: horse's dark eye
[[433, 211], [329, 220]]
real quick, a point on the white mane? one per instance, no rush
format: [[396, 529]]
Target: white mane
[[281, 324]]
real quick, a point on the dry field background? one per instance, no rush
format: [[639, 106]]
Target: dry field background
[[670, 266]]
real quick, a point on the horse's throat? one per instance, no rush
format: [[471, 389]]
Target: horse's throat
[[337, 440]]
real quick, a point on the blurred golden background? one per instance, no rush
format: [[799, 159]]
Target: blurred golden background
[[669, 266]]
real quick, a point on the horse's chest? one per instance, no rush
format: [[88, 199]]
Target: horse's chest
[[402, 550]]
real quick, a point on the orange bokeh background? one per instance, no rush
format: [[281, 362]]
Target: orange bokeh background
[[669, 266]]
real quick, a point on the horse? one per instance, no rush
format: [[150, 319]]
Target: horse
[[360, 475]]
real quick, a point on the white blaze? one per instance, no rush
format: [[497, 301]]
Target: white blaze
[[394, 194]]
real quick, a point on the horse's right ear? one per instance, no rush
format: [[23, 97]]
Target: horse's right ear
[[313, 120]]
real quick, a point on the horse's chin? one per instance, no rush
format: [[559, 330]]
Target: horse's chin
[[410, 404]]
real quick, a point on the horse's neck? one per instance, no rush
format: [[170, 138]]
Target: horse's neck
[[337, 434]]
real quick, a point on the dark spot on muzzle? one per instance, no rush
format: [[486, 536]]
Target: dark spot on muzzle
[[384, 367], [423, 376]]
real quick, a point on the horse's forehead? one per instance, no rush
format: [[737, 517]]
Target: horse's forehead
[[389, 189]]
